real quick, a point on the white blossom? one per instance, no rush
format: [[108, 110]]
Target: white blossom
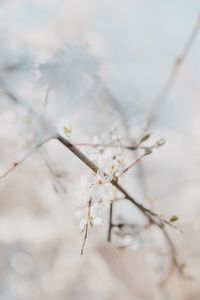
[[91, 219], [98, 186]]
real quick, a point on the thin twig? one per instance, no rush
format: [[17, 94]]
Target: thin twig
[[85, 230], [128, 147], [170, 82], [19, 162], [132, 165], [110, 225], [174, 261], [56, 175]]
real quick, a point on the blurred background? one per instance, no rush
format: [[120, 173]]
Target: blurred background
[[96, 65]]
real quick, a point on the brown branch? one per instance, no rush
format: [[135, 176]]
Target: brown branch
[[110, 225], [94, 168], [145, 211]]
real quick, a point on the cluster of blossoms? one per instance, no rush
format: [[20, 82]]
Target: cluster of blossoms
[[99, 190]]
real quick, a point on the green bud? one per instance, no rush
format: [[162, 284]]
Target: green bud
[[67, 130], [147, 150], [144, 138], [160, 142], [173, 218]]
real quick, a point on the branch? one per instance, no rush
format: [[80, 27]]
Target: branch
[[110, 225], [145, 211]]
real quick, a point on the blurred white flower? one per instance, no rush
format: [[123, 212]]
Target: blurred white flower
[[82, 224], [91, 219]]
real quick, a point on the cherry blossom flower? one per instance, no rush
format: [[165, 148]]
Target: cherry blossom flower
[[98, 186]]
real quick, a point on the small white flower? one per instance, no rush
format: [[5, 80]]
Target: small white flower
[[116, 166], [102, 177], [91, 220]]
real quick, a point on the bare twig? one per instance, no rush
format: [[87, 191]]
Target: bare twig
[[19, 162], [128, 147], [85, 230], [174, 261], [56, 175], [132, 165], [170, 82], [110, 225]]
